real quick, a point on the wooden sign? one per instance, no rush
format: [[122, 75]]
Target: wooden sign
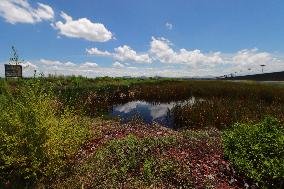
[[13, 70]]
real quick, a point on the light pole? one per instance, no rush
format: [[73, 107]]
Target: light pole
[[262, 66], [249, 69]]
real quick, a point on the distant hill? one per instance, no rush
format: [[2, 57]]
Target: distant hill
[[275, 76]]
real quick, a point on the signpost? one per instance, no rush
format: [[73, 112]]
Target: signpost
[[13, 71]]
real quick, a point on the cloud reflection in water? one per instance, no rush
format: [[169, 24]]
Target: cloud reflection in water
[[148, 112]]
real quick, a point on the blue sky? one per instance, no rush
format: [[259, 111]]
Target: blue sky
[[132, 37]]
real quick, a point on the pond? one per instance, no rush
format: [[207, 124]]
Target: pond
[[148, 112]]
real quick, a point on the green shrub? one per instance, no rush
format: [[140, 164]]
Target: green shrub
[[257, 151], [36, 140]]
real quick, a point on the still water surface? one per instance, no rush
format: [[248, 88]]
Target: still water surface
[[149, 112]]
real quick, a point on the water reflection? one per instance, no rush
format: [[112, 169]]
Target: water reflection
[[148, 112]]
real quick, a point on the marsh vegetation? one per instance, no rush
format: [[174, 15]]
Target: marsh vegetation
[[64, 133]]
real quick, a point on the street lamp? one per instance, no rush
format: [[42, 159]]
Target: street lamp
[[262, 67]]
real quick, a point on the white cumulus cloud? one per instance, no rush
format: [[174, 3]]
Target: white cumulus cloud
[[122, 53], [89, 65], [91, 69], [29, 65], [169, 26], [212, 63], [97, 52], [118, 65], [161, 50], [83, 28], [249, 60], [45, 12], [20, 11], [56, 63], [252, 57], [125, 53]]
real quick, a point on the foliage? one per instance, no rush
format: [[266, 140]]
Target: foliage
[[257, 150], [96, 96], [36, 140], [140, 156], [131, 162], [43, 123], [223, 112]]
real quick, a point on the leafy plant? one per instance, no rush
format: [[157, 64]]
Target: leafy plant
[[36, 141], [257, 150], [121, 163]]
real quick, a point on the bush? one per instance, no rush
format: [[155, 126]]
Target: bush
[[257, 151], [36, 140]]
